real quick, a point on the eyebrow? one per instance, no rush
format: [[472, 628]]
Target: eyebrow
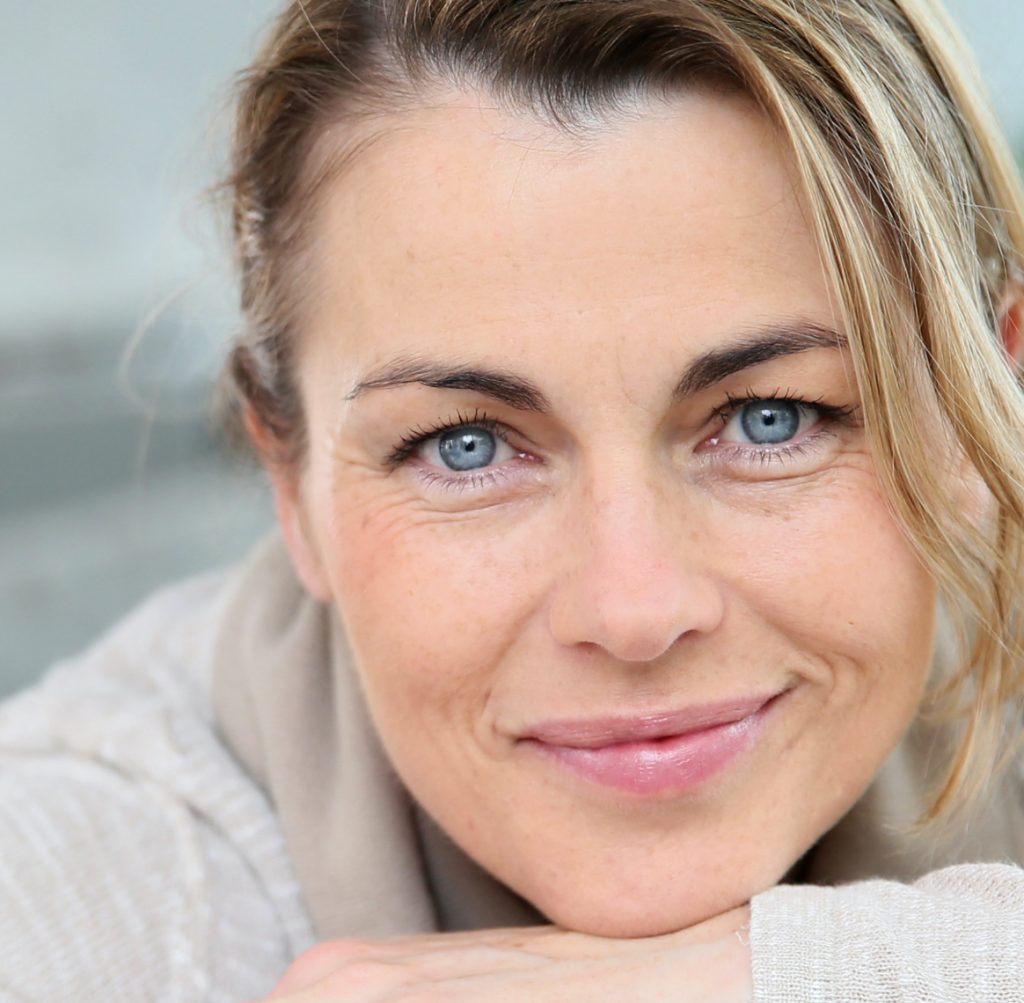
[[709, 368], [502, 386], [759, 346]]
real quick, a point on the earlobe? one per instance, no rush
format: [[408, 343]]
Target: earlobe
[[291, 514]]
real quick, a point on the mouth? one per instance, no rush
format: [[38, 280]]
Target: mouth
[[672, 752]]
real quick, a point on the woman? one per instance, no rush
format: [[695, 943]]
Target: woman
[[637, 384]]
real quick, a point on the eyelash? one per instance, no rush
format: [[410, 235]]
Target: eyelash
[[831, 414]]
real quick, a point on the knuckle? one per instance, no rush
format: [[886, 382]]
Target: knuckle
[[319, 961]]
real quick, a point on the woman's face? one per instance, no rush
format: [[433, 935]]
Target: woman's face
[[588, 484]]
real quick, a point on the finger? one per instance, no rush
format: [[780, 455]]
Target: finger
[[365, 980], [547, 941], [330, 975], [490, 935], [429, 967], [371, 966], [318, 962]]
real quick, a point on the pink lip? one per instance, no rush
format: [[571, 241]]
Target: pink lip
[[653, 754]]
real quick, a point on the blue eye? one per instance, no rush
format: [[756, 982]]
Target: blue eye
[[467, 447], [464, 445], [770, 422]]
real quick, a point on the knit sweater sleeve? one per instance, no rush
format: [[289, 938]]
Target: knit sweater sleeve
[[955, 935], [138, 862], [113, 891]]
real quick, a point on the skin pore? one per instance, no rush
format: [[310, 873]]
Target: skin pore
[[665, 498]]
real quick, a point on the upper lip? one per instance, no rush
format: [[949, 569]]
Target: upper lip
[[594, 733]]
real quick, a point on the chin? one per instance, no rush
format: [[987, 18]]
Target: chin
[[626, 918], [620, 909]]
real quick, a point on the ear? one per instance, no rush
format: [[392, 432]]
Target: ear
[[298, 538], [1011, 323], [977, 499], [286, 485]]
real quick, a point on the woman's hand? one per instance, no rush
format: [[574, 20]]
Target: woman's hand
[[709, 963]]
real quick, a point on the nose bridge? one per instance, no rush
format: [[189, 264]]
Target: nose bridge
[[636, 580], [623, 519], [633, 537]]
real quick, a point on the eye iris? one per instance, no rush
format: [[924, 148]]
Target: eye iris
[[467, 448], [770, 422]]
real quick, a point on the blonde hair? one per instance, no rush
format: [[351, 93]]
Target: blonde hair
[[913, 194]]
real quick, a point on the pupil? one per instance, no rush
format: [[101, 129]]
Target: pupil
[[467, 448], [770, 422]]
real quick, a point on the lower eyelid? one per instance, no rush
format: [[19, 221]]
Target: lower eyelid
[[472, 481], [782, 451]]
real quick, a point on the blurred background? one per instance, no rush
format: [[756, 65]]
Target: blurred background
[[116, 303]]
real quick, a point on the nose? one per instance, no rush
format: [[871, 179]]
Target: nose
[[634, 582]]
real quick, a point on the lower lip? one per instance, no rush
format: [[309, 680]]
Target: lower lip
[[676, 764]]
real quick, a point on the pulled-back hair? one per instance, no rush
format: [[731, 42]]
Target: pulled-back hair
[[913, 197]]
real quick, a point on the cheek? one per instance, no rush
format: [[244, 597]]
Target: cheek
[[839, 586], [431, 608], [836, 567]]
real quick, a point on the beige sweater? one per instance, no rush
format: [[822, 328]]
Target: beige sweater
[[140, 862]]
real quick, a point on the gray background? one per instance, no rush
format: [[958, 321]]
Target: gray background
[[116, 303]]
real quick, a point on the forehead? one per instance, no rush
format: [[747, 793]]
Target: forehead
[[464, 228]]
